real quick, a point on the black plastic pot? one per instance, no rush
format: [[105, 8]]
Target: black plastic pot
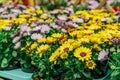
[[28, 70]]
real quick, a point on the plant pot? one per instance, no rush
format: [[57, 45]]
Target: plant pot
[[28, 70], [106, 77], [11, 67]]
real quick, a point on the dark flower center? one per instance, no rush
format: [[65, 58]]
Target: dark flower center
[[66, 49], [90, 64], [83, 54]]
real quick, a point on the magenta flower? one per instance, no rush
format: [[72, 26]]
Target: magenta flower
[[103, 55]]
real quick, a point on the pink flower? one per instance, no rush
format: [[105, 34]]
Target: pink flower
[[62, 17], [45, 29], [111, 1], [1, 10], [7, 28], [17, 45], [103, 55], [71, 24], [93, 4], [55, 11], [25, 29], [78, 20], [16, 39], [36, 36]]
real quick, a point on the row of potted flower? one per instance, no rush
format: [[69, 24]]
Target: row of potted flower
[[60, 44]]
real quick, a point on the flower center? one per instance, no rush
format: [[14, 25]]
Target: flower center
[[66, 49], [83, 54], [90, 64]]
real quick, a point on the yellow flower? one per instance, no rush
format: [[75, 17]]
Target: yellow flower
[[43, 17], [24, 15], [39, 11], [41, 49], [50, 40], [28, 44], [66, 47], [90, 64], [84, 40], [57, 35], [96, 47], [20, 20], [64, 55], [83, 53], [76, 44], [27, 51], [22, 49], [33, 46], [54, 57], [41, 40], [49, 20]]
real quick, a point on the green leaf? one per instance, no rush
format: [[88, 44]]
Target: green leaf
[[86, 75], [14, 54], [4, 63], [76, 75], [7, 50], [115, 73]]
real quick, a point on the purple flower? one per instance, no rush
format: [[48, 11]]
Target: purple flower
[[115, 41], [55, 12], [63, 17], [36, 36], [17, 45], [16, 39], [103, 55], [1, 10], [53, 25], [111, 1], [25, 29], [7, 28], [45, 29], [71, 24], [78, 20], [93, 4]]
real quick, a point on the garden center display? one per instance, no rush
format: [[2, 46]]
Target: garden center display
[[61, 39]]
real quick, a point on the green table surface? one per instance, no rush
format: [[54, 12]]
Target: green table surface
[[16, 74]]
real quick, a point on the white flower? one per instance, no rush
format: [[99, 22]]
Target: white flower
[[16, 39], [36, 36], [22, 6], [25, 28], [1, 10], [93, 4], [55, 12], [17, 45], [71, 24], [78, 20], [45, 29], [103, 55], [53, 25], [7, 28], [37, 28], [105, 19], [62, 17], [16, 11], [25, 11], [37, 7], [63, 30]]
